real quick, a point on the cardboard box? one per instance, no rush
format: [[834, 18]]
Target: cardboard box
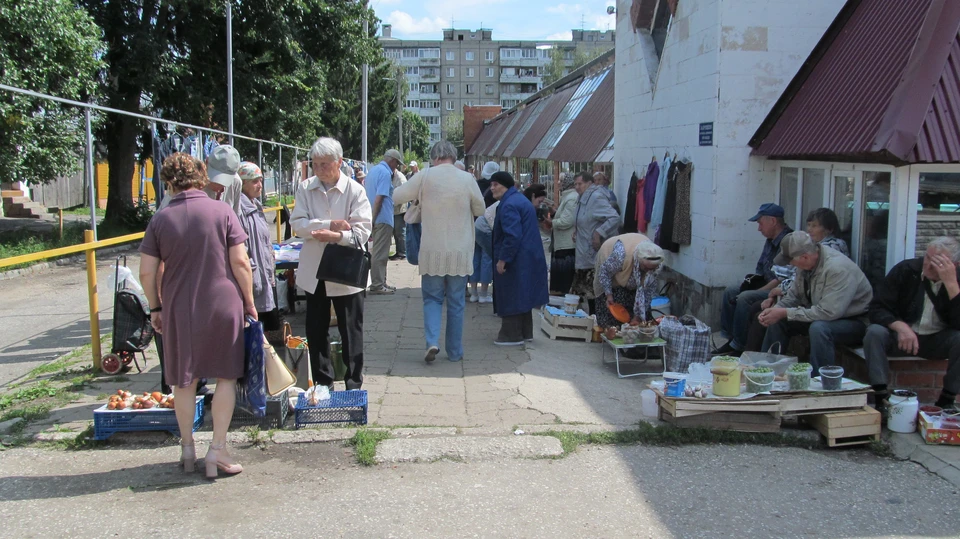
[[932, 434]]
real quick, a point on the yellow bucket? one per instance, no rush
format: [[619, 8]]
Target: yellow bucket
[[726, 378]]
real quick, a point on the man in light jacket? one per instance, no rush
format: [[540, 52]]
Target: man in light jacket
[[828, 301]]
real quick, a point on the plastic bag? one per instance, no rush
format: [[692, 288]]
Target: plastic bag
[[252, 390], [126, 278], [317, 394], [776, 361], [282, 288]]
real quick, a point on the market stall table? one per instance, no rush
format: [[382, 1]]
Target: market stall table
[[618, 345]]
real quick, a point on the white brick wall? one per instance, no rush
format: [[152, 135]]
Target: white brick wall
[[700, 80]]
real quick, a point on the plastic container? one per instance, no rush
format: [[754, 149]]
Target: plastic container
[[555, 301], [674, 382], [903, 408], [647, 334], [931, 410], [661, 304], [648, 402], [571, 302], [799, 380], [342, 407], [759, 382], [107, 422], [726, 376], [831, 378]]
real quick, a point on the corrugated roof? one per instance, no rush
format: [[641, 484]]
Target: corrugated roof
[[590, 130], [880, 86], [542, 122], [580, 99], [530, 115], [517, 119], [488, 137]]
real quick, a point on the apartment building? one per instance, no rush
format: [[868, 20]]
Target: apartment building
[[470, 68]]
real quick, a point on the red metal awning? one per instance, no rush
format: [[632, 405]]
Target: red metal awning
[[880, 86]]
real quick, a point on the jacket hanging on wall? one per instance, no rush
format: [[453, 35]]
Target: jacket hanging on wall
[[630, 211], [682, 232], [665, 235]]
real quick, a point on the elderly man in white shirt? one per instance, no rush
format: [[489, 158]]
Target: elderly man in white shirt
[[331, 208]]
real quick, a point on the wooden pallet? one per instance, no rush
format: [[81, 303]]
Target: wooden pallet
[[735, 421], [567, 327], [851, 427]]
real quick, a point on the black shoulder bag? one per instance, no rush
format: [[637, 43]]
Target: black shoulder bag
[[343, 264]]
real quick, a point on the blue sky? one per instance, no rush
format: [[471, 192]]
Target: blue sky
[[509, 19]]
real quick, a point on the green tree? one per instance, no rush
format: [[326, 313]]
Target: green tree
[[557, 67], [452, 130], [416, 134], [294, 64], [53, 48]]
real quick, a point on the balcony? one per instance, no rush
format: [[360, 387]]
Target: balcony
[[514, 95], [429, 96], [429, 78], [523, 62], [429, 61], [526, 79]]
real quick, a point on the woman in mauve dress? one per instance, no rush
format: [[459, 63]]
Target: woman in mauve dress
[[206, 290]]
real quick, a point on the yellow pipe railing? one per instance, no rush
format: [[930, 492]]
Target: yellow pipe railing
[[89, 247]]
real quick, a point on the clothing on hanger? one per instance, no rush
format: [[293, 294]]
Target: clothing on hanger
[[656, 216], [630, 209]]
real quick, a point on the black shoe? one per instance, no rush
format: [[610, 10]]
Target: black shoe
[[726, 350], [351, 385]]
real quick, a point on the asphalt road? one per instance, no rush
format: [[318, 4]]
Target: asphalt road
[[316, 490]]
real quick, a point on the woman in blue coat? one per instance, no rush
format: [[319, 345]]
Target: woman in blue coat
[[520, 279]]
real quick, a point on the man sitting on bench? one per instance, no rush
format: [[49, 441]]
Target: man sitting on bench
[[916, 310], [828, 300]]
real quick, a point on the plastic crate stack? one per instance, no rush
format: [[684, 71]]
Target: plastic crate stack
[[107, 422], [278, 408]]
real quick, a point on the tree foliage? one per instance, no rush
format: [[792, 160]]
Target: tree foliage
[[52, 48], [296, 74], [557, 67], [416, 135], [452, 130]]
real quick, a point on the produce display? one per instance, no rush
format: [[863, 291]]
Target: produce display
[[124, 400]]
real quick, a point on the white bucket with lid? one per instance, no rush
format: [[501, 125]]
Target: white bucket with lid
[[660, 305], [903, 408], [571, 302]]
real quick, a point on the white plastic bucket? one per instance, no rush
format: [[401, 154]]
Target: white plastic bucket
[[571, 302], [661, 304], [903, 411], [648, 402]]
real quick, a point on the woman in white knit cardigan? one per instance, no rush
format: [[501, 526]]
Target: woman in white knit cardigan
[[450, 201]]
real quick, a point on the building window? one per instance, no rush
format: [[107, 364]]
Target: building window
[[449, 104], [471, 72], [488, 89], [413, 103], [509, 103], [468, 104], [938, 208], [429, 53], [393, 54], [451, 72], [470, 88], [413, 70], [414, 87], [488, 55], [508, 71], [507, 54], [451, 56], [432, 120], [468, 55], [451, 89], [409, 53], [430, 104], [489, 72], [429, 88], [430, 72], [568, 54]]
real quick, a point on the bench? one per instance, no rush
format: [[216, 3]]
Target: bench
[[923, 376]]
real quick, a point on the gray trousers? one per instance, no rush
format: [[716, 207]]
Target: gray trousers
[[399, 234], [881, 341], [379, 254]]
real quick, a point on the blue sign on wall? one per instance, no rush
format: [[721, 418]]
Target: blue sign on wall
[[706, 134]]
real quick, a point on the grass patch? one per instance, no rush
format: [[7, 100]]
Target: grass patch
[[85, 211], [666, 435], [81, 441], [272, 201], [24, 242], [365, 443], [41, 390]]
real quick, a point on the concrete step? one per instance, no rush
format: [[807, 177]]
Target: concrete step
[[16, 200]]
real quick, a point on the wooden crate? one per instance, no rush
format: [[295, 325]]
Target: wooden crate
[[569, 327], [819, 403], [851, 427], [734, 421]]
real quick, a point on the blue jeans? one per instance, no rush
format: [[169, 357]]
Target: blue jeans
[[824, 334], [434, 289], [735, 313], [482, 267]]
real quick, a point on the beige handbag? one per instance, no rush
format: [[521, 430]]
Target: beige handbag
[[279, 377]]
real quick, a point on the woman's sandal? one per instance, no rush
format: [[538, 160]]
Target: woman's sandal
[[214, 464]]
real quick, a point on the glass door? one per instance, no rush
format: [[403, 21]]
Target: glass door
[[842, 202]]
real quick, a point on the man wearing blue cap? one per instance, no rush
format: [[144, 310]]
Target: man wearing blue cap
[[737, 299]]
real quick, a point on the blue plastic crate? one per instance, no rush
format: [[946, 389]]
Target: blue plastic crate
[[343, 407], [108, 422]]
